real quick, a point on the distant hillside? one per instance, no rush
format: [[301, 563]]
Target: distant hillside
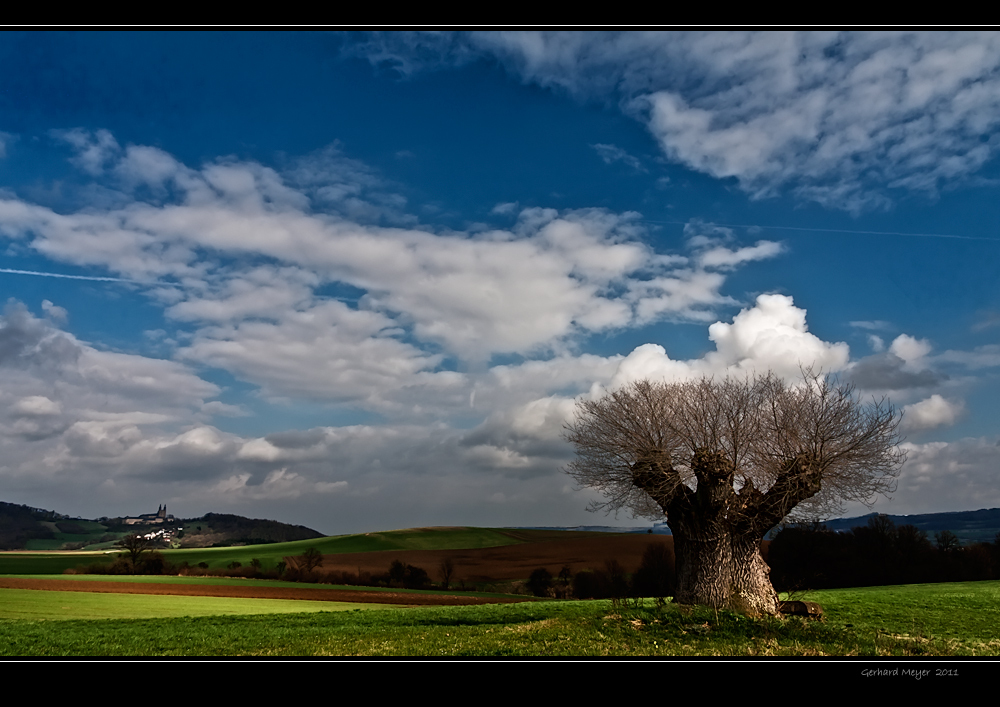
[[225, 530], [28, 528], [19, 524], [970, 526]]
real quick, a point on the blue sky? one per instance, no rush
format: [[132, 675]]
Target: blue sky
[[357, 281]]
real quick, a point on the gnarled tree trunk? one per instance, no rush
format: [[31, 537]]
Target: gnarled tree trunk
[[717, 530], [718, 567]]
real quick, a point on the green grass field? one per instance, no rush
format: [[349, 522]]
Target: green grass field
[[270, 555], [57, 606], [959, 619], [95, 532], [909, 621]]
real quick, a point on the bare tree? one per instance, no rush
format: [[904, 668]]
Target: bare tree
[[133, 546], [310, 559], [728, 460], [446, 570]]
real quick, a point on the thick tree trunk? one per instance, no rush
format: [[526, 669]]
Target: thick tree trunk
[[724, 571], [717, 531]]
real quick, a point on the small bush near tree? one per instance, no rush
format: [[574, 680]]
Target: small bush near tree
[[408, 576], [655, 576]]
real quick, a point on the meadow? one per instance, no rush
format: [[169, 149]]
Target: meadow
[[956, 619]]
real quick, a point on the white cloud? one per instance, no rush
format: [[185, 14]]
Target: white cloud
[[151, 166], [327, 352], [721, 257], [552, 277], [55, 312], [876, 325], [93, 150], [610, 154], [935, 411], [36, 405], [770, 336], [505, 209], [279, 484], [910, 349]]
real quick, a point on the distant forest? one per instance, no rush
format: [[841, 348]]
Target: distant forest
[[879, 553], [238, 530], [19, 524]]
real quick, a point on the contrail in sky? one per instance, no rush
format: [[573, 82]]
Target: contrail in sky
[[69, 277]]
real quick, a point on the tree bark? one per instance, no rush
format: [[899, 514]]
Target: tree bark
[[718, 567], [717, 533]]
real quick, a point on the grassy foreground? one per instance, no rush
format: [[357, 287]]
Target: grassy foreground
[[917, 620]]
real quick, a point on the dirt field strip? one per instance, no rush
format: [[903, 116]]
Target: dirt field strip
[[251, 592]]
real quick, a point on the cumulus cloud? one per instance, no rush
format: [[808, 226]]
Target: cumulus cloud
[[935, 411], [88, 417], [771, 335], [73, 402], [886, 371], [905, 365], [909, 349]]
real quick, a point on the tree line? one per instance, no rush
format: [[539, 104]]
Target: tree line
[[879, 553]]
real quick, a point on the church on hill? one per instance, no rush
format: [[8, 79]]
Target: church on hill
[[151, 518]]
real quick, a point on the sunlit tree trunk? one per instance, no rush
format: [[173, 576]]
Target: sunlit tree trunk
[[719, 568]]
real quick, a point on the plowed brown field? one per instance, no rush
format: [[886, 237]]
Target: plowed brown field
[[505, 563], [249, 592]]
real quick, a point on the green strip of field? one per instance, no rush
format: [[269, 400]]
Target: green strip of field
[[34, 604], [852, 627], [270, 555], [41, 563]]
